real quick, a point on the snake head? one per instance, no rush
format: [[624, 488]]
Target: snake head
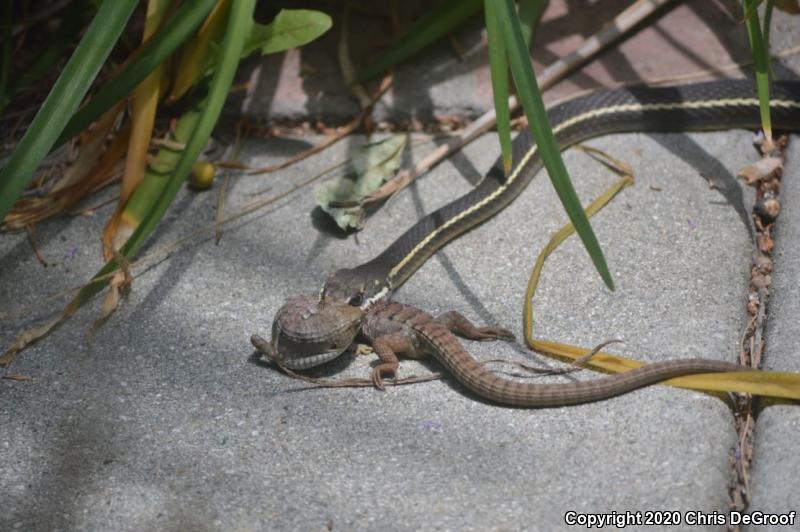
[[308, 331], [358, 287]]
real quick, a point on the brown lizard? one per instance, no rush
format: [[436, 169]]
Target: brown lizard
[[309, 330]]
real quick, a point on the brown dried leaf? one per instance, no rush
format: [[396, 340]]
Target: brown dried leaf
[[31, 335], [765, 243], [763, 264], [17, 377], [91, 149], [119, 285], [752, 306], [33, 210], [789, 6], [761, 281], [618, 166], [760, 169], [771, 208]]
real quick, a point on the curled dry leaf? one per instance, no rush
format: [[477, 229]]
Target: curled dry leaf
[[767, 209], [17, 377], [763, 264], [373, 164], [765, 243], [789, 6], [761, 281], [29, 336], [752, 304], [760, 169], [614, 164], [118, 286], [93, 167]]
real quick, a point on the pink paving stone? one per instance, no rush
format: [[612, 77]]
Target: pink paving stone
[[680, 40]]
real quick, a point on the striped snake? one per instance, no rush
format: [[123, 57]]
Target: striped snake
[[716, 105]]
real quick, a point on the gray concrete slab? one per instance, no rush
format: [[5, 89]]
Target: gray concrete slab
[[163, 420]]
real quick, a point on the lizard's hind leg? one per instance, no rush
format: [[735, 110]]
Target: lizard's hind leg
[[460, 325]]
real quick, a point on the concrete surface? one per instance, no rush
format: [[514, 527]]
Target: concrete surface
[[165, 420]]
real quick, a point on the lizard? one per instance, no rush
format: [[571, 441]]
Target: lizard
[[309, 331]]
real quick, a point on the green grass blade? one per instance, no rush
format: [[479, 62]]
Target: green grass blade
[[767, 21], [290, 28], [5, 61], [760, 62], [239, 21], [530, 12], [765, 31], [433, 26], [64, 98], [498, 67], [528, 92], [175, 31]]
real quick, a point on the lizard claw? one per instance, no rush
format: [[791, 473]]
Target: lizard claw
[[387, 368]]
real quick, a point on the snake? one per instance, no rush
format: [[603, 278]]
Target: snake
[[706, 106]]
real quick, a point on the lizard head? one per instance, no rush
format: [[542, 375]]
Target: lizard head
[[308, 331]]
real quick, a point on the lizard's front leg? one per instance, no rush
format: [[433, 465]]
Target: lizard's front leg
[[460, 325], [386, 347]]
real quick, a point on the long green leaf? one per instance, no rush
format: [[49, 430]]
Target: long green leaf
[[289, 29], [5, 60], [175, 31], [498, 67], [239, 21], [530, 12], [760, 62], [433, 26], [765, 31], [528, 92], [64, 98]]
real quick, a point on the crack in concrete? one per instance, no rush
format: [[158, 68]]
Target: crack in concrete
[[745, 407]]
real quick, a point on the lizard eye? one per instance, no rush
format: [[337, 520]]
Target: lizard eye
[[356, 300]]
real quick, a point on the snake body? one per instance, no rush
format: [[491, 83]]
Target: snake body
[[710, 106]]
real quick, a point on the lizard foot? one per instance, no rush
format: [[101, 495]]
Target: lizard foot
[[381, 370]]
